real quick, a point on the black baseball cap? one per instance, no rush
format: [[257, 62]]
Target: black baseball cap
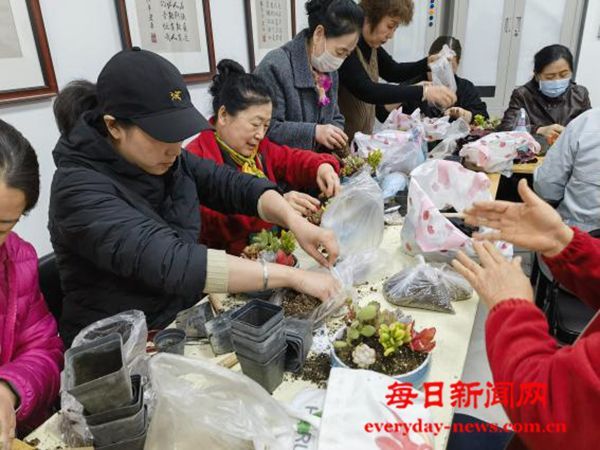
[[145, 88]]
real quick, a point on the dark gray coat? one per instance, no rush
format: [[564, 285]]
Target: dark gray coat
[[296, 110], [125, 239]]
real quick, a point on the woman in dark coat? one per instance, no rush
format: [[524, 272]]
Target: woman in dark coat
[[125, 202]]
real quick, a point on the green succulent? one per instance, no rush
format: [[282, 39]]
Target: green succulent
[[393, 336], [288, 242], [363, 324], [374, 159]]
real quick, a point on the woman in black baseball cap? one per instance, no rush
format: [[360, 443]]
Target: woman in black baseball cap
[[124, 206]]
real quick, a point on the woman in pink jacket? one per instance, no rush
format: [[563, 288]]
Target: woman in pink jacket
[[30, 349]]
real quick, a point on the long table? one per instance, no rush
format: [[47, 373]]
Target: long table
[[448, 358]]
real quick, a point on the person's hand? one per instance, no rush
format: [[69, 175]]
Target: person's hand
[[331, 136], [433, 58], [533, 224], [551, 132], [495, 279], [321, 285], [456, 112], [303, 204], [424, 83], [311, 238], [328, 181], [440, 96], [8, 418]]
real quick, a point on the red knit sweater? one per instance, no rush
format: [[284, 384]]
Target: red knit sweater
[[296, 168], [521, 350]]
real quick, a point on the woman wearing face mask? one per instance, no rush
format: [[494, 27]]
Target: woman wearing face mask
[[30, 349], [125, 203], [360, 89], [551, 98], [468, 102], [303, 77], [242, 108]]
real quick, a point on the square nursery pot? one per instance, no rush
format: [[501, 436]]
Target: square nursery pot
[[170, 340], [119, 430], [257, 317], [134, 443], [125, 411], [299, 341], [219, 334], [269, 375], [193, 320], [96, 375], [262, 351], [415, 377]]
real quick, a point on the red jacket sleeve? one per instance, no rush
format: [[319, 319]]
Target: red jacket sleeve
[[34, 370], [577, 267], [521, 350], [298, 168]]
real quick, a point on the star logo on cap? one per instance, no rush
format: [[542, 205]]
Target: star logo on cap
[[176, 95]]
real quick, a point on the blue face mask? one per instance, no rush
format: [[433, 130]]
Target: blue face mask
[[554, 88]]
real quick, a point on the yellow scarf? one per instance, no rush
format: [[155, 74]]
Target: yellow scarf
[[248, 164]]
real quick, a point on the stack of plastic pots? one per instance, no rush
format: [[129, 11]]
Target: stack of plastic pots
[[259, 341], [298, 334], [113, 401]]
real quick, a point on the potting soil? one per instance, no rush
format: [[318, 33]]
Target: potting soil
[[316, 370], [402, 361], [297, 304]]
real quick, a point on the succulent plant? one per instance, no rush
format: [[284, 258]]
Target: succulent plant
[[423, 340], [287, 242], [374, 159], [363, 324], [394, 336], [363, 356], [351, 165]]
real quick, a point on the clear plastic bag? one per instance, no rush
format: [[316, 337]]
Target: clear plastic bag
[[496, 151], [131, 325], [357, 208], [457, 130], [441, 69], [200, 404], [397, 120], [360, 268], [392, 183], [427, 287]]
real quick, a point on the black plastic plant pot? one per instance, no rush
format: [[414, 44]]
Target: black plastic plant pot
[[170, 340], [277, 330], [269, 375], [96, 375], [193, 320], [125, 411], [119, 430], [219, 334], [257, 317], [134, 443], [260, 352]]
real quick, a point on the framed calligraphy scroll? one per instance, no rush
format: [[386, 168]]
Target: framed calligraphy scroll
[[26, 70], [178, 30], [269, 25]]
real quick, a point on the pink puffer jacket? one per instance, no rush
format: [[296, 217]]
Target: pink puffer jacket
[[31, 353]]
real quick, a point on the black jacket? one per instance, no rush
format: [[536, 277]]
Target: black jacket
[[467, 98], [125, 239]]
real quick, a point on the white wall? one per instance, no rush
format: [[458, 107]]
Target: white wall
[[589, 54], [83, 35]]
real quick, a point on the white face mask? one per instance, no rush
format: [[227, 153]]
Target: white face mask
[[326, 62]]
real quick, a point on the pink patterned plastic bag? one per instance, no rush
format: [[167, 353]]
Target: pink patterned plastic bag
[[434, 186], [496, 151]]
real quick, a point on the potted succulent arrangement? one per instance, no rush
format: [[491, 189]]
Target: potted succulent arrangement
[[273, 248], [383, 341], [353, 163], [482, 126]]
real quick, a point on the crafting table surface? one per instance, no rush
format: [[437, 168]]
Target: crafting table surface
[[448, 358]]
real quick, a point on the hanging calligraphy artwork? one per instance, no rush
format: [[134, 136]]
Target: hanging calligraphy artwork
[[269, 25], [179, 30], [26, 70]]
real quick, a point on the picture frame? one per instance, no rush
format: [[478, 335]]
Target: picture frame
[[269, 25], [26, 69], [178, 30]]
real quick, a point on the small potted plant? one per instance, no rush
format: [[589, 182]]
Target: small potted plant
[[269, 246], [353, 163], [385, 342]]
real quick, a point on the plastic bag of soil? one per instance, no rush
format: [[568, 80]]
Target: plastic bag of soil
[[200, 404], [427, 287], [356, 215]]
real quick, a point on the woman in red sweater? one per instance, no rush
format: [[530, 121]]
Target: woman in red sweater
[[243, 106], [520, 348]]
